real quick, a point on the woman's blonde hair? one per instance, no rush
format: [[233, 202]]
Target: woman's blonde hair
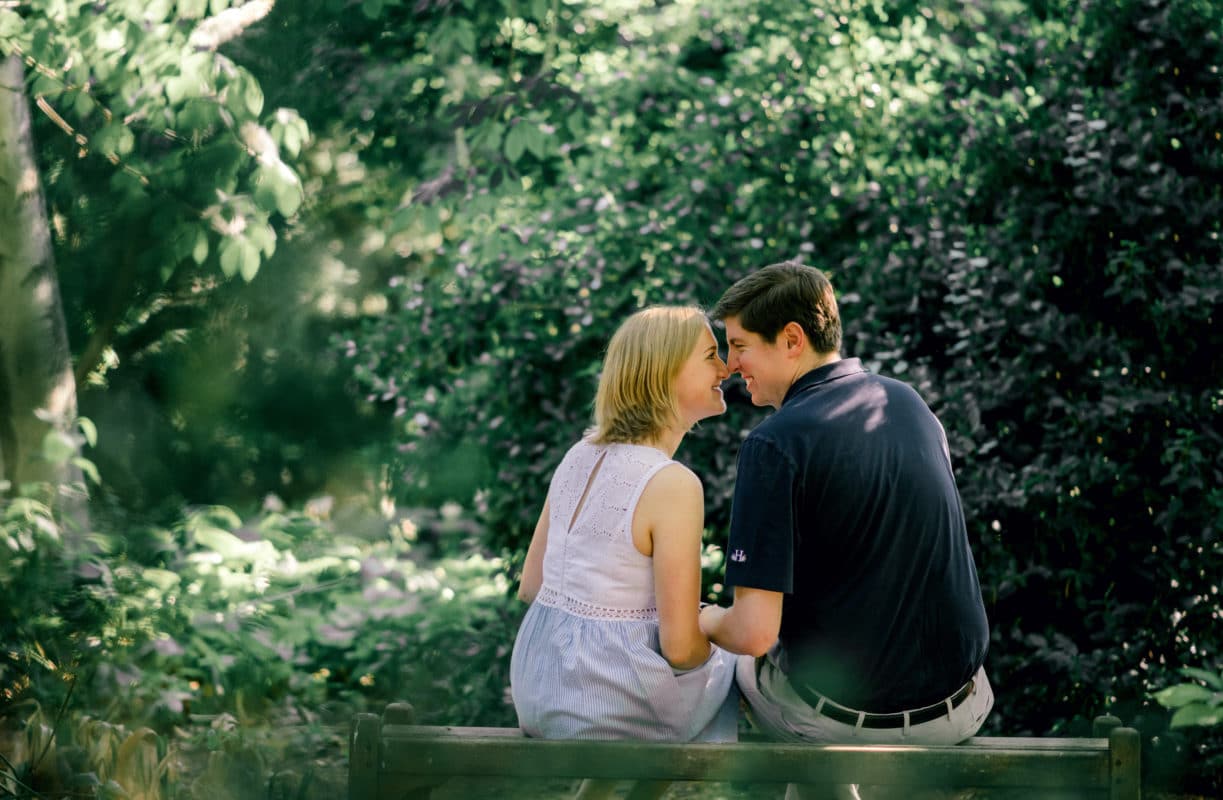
[[636, 398]]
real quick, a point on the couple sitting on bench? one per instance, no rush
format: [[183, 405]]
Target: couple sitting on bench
[[857, 614]]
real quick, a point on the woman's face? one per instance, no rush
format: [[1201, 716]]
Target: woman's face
[[698, 387]]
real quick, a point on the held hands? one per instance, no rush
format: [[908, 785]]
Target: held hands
[[709, 618]]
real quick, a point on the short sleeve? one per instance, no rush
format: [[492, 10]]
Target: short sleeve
[[760, 554]]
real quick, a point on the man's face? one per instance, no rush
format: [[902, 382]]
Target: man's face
[[763, 365]]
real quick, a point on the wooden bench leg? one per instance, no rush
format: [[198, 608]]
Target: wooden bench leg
[[1124, 757], [1103, 725], [363, 759], [421, 788], [1125, 764], [647, 790]]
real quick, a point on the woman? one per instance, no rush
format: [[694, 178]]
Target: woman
[[610, 647]]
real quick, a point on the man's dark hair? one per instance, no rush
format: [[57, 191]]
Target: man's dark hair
[[766, 300]]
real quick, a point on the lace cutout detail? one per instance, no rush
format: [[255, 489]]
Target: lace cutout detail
[[550, 597], [594, 473], [608, 491]]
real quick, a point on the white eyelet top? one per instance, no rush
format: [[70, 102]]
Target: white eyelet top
[[592, 568]]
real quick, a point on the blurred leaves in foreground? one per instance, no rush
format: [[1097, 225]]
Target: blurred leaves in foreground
[[209, 647]]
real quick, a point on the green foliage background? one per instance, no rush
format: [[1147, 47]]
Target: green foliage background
[[1018, 202], [1021, 218]]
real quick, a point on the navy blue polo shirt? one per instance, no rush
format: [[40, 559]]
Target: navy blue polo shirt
[[846, 502]]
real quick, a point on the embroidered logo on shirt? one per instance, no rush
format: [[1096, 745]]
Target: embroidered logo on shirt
[[739, 556]]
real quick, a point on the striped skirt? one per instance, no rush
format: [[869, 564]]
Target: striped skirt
[[574, 677]]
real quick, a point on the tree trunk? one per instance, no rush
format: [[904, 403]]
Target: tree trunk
[[37, 388]]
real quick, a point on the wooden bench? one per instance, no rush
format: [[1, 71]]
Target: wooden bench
[[391, 757]]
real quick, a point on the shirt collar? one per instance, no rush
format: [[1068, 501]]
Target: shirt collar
[[821, 375]]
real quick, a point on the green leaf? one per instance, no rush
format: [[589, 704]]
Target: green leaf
[[278, 189], [83, 104], [58, 447], [252, 96], [156, 10], [89, 468], [462, 155], [26, 508], [290, 131], [243, 95], [1182, 695], [197, 115], [372, 9], [488, 136], [192, 9], [516, 141], [265, 190], [219, 541], [288, 189], [453, 37], [216, 515], [44, 86], [178, 89], [239, 256], [89, 430], [291, 141], [263, 238], [163, 579], [537, 141], [109, 40], [200, 251], [249, 265], [577, 124], [193, 80], [114, 139], [10, 24], [1197, 715], [465, 36], [1211, 679]]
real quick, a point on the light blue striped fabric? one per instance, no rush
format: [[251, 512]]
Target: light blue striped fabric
[[573, 677]]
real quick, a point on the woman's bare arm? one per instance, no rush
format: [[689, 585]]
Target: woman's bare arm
[[533, 567], [672, 508]]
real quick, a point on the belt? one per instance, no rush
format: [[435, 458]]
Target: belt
[[916, 716]]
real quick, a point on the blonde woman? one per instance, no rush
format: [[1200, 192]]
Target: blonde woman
[[610, 647]]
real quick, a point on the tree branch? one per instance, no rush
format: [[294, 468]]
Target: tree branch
[[229, 24]]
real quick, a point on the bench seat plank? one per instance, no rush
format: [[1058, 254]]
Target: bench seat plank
[[994, 742], [412, 754], [1029, 743]]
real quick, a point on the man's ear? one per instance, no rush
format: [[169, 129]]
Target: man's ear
[[794, 338]]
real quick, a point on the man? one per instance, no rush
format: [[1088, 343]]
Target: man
[[857, 606]]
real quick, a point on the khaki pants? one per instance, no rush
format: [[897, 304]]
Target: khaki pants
[[778, 711]]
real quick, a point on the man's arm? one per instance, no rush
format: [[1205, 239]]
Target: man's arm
[[751, 624]]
